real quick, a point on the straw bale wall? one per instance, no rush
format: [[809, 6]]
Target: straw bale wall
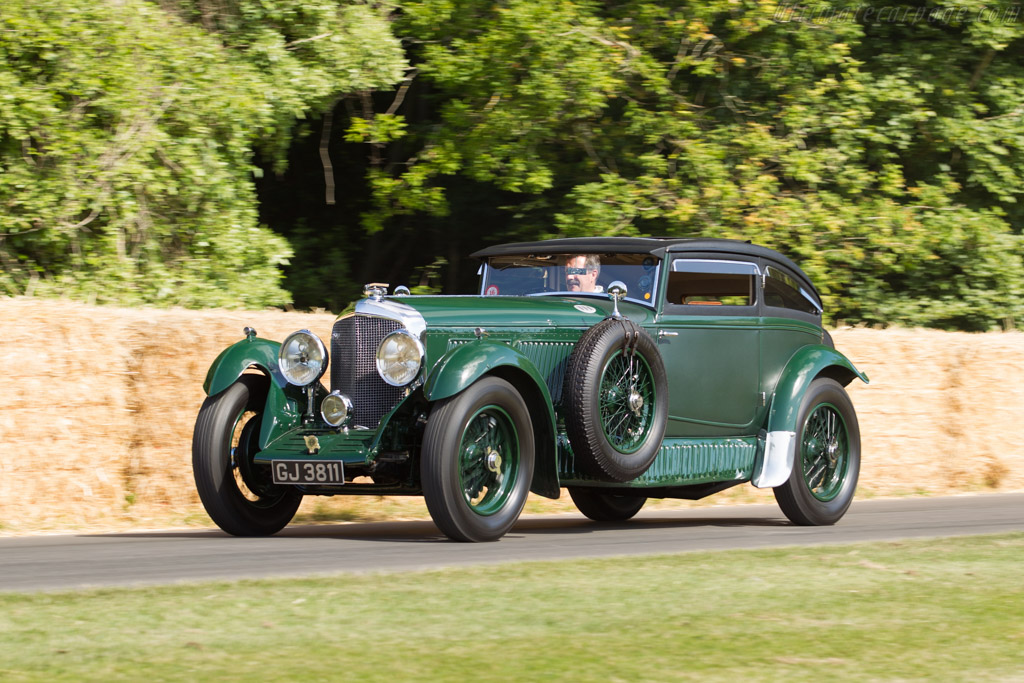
[[97, 406]]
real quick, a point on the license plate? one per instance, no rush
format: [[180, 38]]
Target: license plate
[[308, 472]]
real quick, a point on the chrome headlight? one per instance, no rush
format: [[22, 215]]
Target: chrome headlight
[[399, 358], [336, 408], [302, 358]]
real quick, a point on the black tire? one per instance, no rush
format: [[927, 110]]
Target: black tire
[[606, 506], [238, 495], [827, 462], [477, 460], [595, 405]]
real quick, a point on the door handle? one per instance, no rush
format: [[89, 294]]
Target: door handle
[[664, 333]]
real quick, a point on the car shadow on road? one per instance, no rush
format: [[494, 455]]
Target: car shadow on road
[[582, 525], [420, 531]]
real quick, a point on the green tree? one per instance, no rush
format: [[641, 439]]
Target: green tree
[[128, 131], [884, 153]]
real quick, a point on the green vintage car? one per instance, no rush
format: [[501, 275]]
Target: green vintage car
[[621, 369]]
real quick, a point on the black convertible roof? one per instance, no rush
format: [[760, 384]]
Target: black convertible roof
[[656, 246]]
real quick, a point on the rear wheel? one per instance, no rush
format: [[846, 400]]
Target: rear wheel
[[238, 494], [606, 506], [827, 464], [477, 461]]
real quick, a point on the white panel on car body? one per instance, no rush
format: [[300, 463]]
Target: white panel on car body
[[777, 463]]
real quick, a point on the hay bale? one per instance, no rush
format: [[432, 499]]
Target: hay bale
[[172, 353], [98, 406], [63, 414], [935, 415]]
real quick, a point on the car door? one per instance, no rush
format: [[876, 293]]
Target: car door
[[708, 334]]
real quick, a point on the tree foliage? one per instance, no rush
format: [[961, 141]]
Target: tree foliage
[[127, 138], [885, 155], [881, 146]]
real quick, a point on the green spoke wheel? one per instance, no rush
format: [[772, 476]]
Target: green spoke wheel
[[825, 452], [627, 402], [827, 464], [476, 463], [615, 401], [488, 460], [237, 493]]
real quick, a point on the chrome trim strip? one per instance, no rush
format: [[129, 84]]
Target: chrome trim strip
[[725, 267], [394, 310], [777, 462]]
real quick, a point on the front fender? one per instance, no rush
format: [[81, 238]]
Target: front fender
[[467, 363], [239, 357], [283, 409], [778, 447]]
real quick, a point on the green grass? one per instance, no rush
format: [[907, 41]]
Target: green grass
[[950, 609]]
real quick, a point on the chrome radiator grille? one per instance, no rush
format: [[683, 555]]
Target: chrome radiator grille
[[354, 342]]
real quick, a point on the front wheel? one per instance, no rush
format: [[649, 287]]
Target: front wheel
[[477, 461], [820, 488], [606, 506], [237, 493]]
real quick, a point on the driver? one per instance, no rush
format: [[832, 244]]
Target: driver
[[581, 273]]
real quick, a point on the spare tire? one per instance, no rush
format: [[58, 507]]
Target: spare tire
[[616, 401]]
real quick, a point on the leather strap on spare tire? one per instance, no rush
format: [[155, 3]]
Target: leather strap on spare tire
[[616, 401]]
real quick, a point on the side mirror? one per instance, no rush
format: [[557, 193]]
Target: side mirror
[[617, 291]]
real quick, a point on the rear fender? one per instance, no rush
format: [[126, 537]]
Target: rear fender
[[778, 450], [467, 363]]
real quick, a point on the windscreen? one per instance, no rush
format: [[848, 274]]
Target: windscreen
[[574, 274]]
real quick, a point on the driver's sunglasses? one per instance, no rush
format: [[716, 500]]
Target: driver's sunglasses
[[575, 271]]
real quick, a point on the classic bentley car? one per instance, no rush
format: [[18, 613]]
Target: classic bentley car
[[620, 369]]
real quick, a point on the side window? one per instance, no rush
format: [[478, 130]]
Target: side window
[[703, 282], [783, 290]]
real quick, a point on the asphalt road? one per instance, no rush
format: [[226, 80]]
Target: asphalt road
[[137, 558]]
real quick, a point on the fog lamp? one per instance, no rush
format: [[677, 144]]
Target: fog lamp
[[336, 409]]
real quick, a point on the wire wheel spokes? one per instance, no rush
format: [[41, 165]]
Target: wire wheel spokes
[[627, 401], [243, 445], [488, 460], [252, 481], [825, 452]]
